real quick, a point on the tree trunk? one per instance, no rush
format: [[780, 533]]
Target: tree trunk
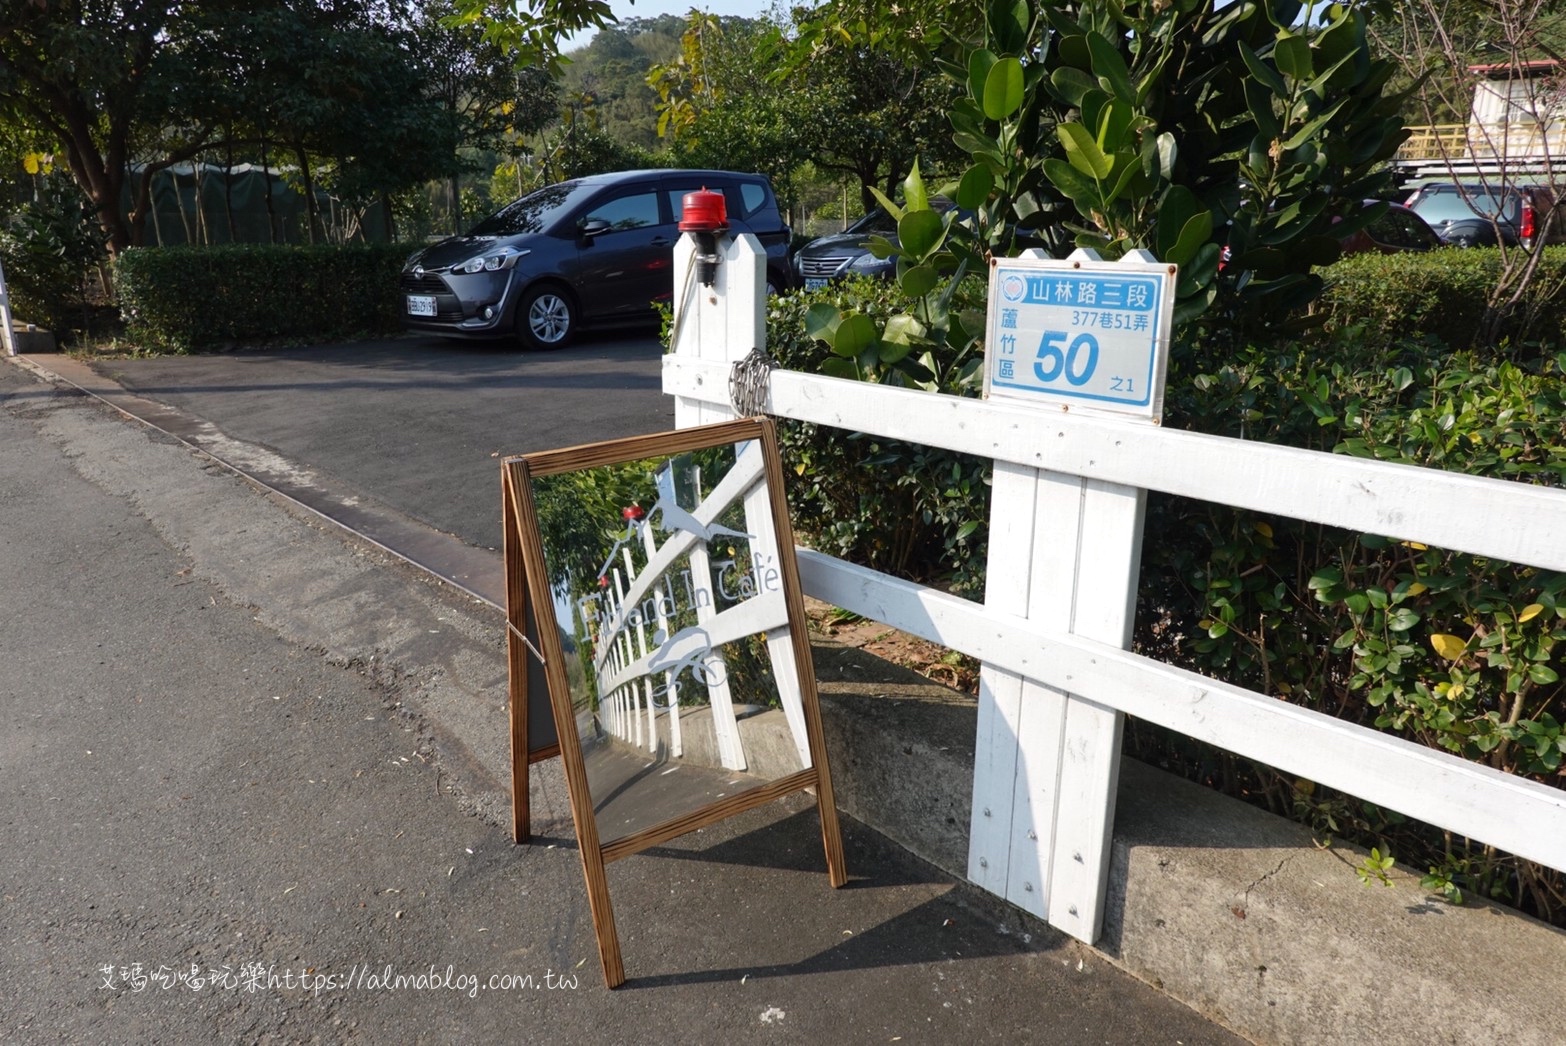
[[312, 212], [228, 190], [271, 209]]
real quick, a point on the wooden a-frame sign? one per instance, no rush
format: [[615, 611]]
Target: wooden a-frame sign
[[754, 613]]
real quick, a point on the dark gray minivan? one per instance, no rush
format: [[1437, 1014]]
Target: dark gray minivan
[[593, 251]]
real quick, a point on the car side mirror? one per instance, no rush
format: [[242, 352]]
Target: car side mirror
[[594, 227]]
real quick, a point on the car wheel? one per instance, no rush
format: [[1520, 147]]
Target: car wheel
[[546, 317]]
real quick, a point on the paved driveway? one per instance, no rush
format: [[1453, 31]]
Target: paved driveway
[[417, 423]]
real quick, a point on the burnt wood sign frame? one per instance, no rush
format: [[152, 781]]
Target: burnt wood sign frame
[[721, 641]]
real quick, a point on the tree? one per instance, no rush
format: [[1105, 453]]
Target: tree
[[1456, 51], [613, 68], [338, 86], [747, 89], [872, 115], [531, 30], [489, 103], [1189, 131], [86, 74]]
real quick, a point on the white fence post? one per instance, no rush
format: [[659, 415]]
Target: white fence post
[[780, 647], [639, 650], [1064, 553], [722, 322], [671, 688], [6, 328]]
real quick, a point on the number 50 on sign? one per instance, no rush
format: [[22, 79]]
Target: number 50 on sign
[[1090, 333]]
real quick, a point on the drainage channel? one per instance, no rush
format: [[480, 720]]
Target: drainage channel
[[478, 572]]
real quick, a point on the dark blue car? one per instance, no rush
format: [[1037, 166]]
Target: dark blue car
[[594, 251]]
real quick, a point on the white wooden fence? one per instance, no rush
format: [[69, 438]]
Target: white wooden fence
[[640, 659], [1057, 677]]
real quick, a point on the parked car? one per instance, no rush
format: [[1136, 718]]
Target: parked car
[[1399, 229], [1472, 215], [594, 251], [847, 253]]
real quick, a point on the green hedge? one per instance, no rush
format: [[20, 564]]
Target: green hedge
[[1451, 650], [1441, 294], [187, 299], [915, 511]]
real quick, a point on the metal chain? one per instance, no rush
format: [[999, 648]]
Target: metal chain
[[748, 382]]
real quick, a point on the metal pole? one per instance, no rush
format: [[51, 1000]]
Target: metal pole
[[8, 334]]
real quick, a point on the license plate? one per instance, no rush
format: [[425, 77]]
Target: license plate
[[421, 305], [814, 283]]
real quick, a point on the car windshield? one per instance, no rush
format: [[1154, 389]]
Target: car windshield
[[876, 221], [534, 212], [1450, 206]]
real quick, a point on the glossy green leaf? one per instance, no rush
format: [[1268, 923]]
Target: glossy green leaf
[[1124, 172], [975, 188], [853, 336], [836, 367], [1259, 101], [920, 232], [1009, 22], [1082, 151], [821, 321], [1292, 54], [886, 202], [881, 247], [1168, 152], [903, 329], [979, 64], [1194, 232], [1073, 51], [1003, 89], [1263, 72], [976, 144], [1072, 84], [1110, 68], [916, 282], [1081, 189], [915, 198], [1314, 126], [1200, 274]]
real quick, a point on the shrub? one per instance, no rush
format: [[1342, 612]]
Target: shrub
[[1448, 649], [906, 509], [193, 298], [1441, 294], [48, 246]]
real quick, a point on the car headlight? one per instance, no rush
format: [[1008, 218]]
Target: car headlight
[[868, 264], [493, 261]]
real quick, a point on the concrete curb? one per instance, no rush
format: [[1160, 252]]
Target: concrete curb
[[1230, 909]]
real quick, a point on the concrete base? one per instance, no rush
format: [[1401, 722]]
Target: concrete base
[[1230, 909], [28, 339]]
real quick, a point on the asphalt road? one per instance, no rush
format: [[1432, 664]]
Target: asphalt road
[[417, 423], [247, 783]]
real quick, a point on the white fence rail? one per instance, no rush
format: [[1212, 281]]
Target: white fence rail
[[1495, 518]]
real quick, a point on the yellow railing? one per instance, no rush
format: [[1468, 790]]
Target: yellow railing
[[1490, 143]]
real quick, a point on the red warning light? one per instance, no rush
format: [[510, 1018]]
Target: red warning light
[[704, 211]]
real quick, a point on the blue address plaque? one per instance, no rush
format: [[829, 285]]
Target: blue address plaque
[[1091, 333]]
